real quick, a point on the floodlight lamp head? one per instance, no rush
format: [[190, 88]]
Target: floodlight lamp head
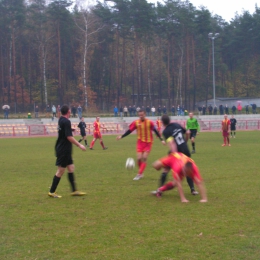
[[210, 35], [216, 35]]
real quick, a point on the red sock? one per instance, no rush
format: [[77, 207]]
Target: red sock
[[167, 186], [228, 140], [225, 141], [141, 168], [92, 144], [102, 144], [139, 163]]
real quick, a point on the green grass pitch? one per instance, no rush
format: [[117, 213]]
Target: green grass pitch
[[118, 218]]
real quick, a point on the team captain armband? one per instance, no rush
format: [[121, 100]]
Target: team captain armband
[[169, 139]]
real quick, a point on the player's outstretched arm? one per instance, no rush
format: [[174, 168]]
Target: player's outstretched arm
[[74, 141], [202, 190], [158, 135], [180, 189], [128, 132]]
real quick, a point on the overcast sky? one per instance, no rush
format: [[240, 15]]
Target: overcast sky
[[227, 8], [224, 8]]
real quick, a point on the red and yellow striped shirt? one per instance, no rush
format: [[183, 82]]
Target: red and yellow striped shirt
[[144, 130], [225, 124], [96, 127]]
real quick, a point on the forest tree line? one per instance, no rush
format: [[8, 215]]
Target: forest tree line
[[124, 52]]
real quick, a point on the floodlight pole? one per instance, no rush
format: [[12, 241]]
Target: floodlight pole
[[213, 37]]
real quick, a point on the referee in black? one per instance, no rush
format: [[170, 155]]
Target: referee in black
[[63, 150], [82, 126]]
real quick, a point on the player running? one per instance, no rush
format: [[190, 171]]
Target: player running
[[193, 126], [225, 130], [182, 166], [144, 128], [173, 134], [97, 134], [82, 126]]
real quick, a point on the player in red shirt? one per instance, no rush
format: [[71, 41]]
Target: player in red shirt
[[144, 129], [225, 130], [97, 134], [182, 166], [159, 125]]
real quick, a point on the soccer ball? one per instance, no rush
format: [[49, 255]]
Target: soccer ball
[[130, 164]]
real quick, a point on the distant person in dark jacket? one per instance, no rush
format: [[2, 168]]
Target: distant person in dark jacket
[[215, 110], [210, 108], [221, 110], [247, 109], [234, 109], [159, 111], [226, 109], [173, 111], [204, 110]]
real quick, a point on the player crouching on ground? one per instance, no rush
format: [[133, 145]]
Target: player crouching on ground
[[182, 166]]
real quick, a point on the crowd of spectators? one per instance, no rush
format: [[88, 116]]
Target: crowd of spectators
[[221, 110], [150, 111]]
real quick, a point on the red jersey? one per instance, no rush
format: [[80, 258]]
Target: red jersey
[[144, 130], [225, 124], [96, 126], [176, 161]]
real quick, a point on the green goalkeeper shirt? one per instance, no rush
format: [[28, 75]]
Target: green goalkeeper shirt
[[192, 124]]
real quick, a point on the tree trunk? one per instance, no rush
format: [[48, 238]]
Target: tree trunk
[[194, 74]]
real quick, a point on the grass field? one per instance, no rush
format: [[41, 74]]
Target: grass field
[[118, 218]]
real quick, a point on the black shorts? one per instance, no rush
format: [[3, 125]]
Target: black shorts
[[233, 128], [64, 160], [193, 133], [83, 134]]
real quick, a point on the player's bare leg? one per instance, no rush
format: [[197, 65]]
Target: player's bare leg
[[102, 144]]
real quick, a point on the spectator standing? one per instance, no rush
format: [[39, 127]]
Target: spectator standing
[[254, 108], [138, 109], [221, 109], [247, 109], [210, 108], [215, 110], [148, 110], [53, 109], [48, 111], [130, 111], [125, 111], [173, 111], [6, 109], [239, 108], [234, 109], [79, 109], [204, 110], [178, 110], [121, 111], [159, 111], [164, 110], [134, 110], [58, 111], [36, 112], [226, 109], [74, 110], [115, 111], [200, 109], [153, 111]]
